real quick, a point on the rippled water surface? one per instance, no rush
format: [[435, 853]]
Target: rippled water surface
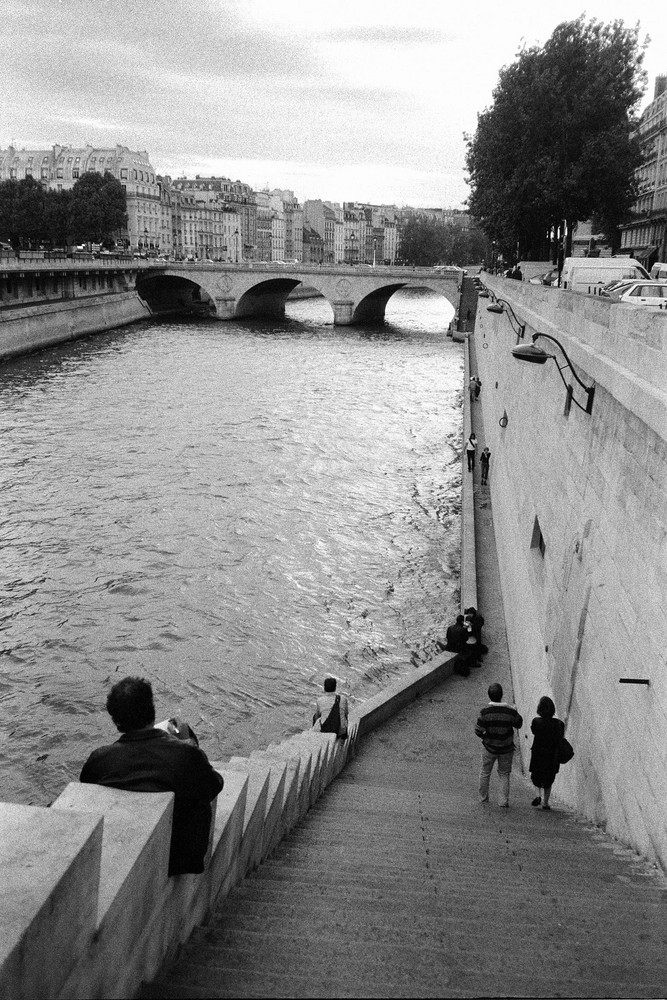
[[229, 509]]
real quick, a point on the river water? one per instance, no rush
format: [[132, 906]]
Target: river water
[[231, 510]]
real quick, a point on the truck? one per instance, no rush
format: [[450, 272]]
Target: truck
[[590, 274]]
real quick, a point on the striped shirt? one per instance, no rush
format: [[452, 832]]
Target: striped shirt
[[496, 725]]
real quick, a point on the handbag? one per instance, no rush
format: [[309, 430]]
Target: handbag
[[332, 722], [564, 751]]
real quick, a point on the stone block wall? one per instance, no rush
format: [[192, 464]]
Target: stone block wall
[[86, 907], [580, 516]]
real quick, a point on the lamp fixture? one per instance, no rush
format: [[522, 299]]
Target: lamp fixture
[[501, 306], [534, 355]]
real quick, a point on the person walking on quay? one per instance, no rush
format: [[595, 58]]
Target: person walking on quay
[[471, 447], [484, 460], [548, 732], [495, 727], [478, 386]]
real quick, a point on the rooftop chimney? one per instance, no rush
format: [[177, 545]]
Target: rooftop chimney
[[660, 85]]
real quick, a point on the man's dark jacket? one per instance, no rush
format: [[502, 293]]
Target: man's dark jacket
[[456, 637], [152, 761]]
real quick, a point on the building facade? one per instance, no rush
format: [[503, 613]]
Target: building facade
[[644, 237], [60, 167]]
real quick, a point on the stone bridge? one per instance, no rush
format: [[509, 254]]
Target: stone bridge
[[356, 294]]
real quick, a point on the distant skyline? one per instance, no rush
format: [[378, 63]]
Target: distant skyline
[[346, 101]]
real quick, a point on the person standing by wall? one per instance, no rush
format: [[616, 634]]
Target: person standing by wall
[[471, 447], [495, 727], [484, 460], [548, 732]]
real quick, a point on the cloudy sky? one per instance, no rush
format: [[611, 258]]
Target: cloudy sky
[[338, 99]]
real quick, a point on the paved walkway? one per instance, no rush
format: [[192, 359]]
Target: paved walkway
[[399, 883]]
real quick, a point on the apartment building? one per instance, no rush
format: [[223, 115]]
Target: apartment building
[[59, 168], [645, 235]]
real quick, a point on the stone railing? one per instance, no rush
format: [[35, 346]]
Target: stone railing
[[87, 909]]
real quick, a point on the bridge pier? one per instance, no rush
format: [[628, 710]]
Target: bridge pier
[[343, 313], [225, 308]]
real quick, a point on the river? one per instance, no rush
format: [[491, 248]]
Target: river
[[231, 510]]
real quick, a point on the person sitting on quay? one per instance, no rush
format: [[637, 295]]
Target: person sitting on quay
[[456, 636], [474, 621], [150, 759], [331, 711]]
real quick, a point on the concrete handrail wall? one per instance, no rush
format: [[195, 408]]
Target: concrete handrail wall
[[468, 557], [85, 880]]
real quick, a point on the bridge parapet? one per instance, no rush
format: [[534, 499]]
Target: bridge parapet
[[356, 293]]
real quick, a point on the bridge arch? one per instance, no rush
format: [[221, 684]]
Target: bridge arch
[[256, 289]]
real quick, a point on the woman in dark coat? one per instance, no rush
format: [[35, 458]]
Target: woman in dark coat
[[543, 764]]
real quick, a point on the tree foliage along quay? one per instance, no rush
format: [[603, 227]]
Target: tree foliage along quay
[[93, 211], [424, 242], [557, 145]]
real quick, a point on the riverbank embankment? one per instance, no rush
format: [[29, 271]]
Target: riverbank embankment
[[26, 328]]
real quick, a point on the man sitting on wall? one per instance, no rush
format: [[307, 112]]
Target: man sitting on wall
[[456, 636], [146, 759], [331, 710]]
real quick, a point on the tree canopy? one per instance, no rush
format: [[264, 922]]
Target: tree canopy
[[98, 207], [557, 144], [93, 211], [424, 242]]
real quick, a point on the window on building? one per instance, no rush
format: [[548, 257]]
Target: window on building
[[123, 174]]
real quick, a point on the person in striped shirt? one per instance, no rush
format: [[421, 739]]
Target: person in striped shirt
[[495, 727]]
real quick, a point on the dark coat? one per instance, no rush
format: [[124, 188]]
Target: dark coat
[[152, 761], [456, 638], [543, 764]]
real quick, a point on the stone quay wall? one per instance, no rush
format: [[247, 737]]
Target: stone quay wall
[[33, 327], [580, 517]]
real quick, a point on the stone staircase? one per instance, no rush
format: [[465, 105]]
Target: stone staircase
[[398, 883]]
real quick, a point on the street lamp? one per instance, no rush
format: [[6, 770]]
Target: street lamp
[[536, 356], [237, 240], [503, 306], [375, 243]]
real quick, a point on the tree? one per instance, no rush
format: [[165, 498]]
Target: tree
[[425, 242], [556, 147], [98, 208], [57, 207], [28, 218]]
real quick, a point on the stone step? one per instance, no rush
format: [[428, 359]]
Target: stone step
[[397, 970], [265, 908]]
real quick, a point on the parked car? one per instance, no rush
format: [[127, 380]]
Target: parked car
[[641, 293], [548, 278]]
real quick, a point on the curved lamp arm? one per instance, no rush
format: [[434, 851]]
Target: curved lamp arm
[[502, 305], [588, 389]]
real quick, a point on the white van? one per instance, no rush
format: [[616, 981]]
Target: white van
[[590, 274], [659, 271]]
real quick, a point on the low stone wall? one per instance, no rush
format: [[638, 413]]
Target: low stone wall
[[87, 909], [30, 328]]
